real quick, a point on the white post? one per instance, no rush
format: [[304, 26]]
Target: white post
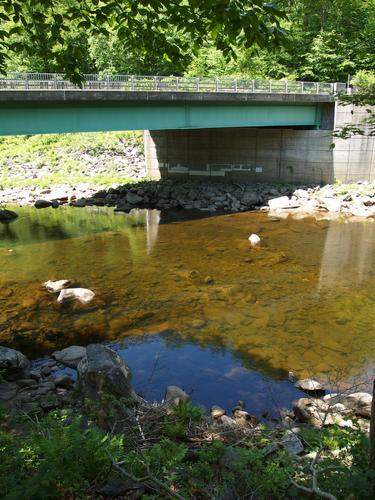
[[286, 86], [317, 87], [217, 84], [253, 86], [26, 81], [107, 81], [177, 84], [302, 88], [132, 82], [198, 86], [270, 86]]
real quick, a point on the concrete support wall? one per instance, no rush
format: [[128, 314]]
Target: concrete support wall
[[354, 158], [262, 154]]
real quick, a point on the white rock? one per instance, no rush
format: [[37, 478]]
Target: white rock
[[56, 286], [309, 385], [332, 204], [360, 212], [279, 203], [84, 295], [254, 239], [301, 193]]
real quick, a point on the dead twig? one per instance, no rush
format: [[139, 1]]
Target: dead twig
[[144, 479]]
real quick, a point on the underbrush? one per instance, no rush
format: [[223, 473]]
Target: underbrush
[[159, 452]]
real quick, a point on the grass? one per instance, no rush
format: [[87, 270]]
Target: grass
[[62, 156]]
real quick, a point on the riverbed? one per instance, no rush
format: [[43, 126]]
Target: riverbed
[[187, 300]]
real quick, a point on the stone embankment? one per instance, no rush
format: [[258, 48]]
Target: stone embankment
[[355, 200], [121, 161]]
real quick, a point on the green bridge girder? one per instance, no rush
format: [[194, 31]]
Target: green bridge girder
[[38, 116], [44, 112]]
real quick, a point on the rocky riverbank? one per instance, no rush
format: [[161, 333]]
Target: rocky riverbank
[[355, 200], [43, 385], [82, 406]]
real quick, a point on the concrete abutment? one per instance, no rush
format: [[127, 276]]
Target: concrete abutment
[[269, 154]]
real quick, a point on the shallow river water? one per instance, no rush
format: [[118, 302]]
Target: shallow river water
[[190, 302]]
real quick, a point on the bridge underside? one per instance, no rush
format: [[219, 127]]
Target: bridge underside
[[60, 117]]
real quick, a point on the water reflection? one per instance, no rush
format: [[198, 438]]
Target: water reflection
[[304, 300], [348, 256]]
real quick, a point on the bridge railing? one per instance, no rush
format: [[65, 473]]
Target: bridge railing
[[57, 81]]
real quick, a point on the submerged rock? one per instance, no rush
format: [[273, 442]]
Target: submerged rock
[[70, 356], [7, 215], [175, 395], [84, 295], [102, 370], [56, 286], [13, 364]]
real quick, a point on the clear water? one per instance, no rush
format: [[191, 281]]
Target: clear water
[[189, 302]]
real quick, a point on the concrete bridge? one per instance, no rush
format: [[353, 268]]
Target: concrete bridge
[[237, 129]]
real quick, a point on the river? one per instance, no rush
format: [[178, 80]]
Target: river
[[187, 301]]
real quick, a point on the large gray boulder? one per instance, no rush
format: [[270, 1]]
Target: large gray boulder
[[102, 370], [359, 403], [70, 356], [13, 364]]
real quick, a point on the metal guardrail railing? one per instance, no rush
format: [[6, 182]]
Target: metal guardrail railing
[[56, 81]]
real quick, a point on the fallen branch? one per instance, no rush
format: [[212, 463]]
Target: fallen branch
[[315, 490], [144, 479]]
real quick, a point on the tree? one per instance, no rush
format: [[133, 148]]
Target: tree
[[364, 95], [141, 25]]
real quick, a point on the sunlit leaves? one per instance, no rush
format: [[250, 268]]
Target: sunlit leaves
[[143, 25]]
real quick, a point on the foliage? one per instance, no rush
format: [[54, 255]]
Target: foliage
[[56, 459], [50, 30]]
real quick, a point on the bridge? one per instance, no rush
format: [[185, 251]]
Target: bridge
[[48, 103], [232, 128]]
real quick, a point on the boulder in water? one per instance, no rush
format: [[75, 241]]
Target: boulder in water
[[254, 239], [13, 364], [70, 356], [310, 386], [83, 295], [56, 286], [102, 370]]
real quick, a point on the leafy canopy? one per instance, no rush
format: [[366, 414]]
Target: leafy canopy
[[48, 28]]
